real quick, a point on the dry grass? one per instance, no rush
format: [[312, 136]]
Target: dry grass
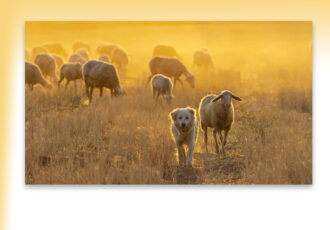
[[126, 140]]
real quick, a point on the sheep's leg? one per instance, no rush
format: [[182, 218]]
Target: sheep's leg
[[226, 135], [31, 86], [181, 154], [67, 83], [191, 147], [59, 82], [149, 78], [222, 144], [174, 83], [101, 91], [153, 92], [91, 94], [205, 138], [75, 85], [181, 83], [87, 91], [215, 141]]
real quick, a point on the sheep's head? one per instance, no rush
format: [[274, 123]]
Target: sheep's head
[[226, 97], [119, 91], [190, 79]]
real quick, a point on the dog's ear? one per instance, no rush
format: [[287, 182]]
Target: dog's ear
[[192, 111], [173, 114]]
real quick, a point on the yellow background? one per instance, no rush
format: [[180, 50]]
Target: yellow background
[[14, 13]]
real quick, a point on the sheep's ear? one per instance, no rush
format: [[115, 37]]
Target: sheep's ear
[[173, 114], [217, 98], [192, 111], [235, 97]]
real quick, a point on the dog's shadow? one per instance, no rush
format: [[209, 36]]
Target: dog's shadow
[[188, 175]]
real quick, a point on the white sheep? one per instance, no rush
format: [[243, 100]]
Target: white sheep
[[162, 85], [217, 112]]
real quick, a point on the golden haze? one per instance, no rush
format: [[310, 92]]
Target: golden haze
[[268, 64]]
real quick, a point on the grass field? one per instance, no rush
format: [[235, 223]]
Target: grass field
[[126, 140]]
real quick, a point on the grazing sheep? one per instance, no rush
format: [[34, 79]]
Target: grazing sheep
[[47, 65], [106, 49], [33, 76], [58, 61], [172, 68], [55, 48], [119, 58], [100, 74], [84, 53], [104, 58], [36, 51], [217, 112], [184, 129], [162, 85], [79, 44], [165, 51], [71, 72], [27, 55], [76, 58], [203, 59]]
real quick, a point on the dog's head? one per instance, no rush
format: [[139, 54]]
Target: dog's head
[[183, 118]]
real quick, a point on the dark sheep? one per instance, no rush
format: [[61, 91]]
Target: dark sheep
[[33, 76], [100, 74], [71, 72]]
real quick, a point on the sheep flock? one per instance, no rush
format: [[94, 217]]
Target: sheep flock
[[46, 65]]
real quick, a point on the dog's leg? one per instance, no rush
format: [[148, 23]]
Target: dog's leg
[[181, 154], [215, 141], [191, 147], [223, 146]]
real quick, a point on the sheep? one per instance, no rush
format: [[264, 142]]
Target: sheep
[[203, 59], [76, 58], [104, 58], [119, 58], [58, 61], [162, 85], [217, 112], [33, 76], [55, 48], [106, 49], [71, 72], [79, 44], [36, 51], [83, 52], [47, 65], [165, 51], [172, 68], [100, 74]]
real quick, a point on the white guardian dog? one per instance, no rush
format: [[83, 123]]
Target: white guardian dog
[[184, 130]]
